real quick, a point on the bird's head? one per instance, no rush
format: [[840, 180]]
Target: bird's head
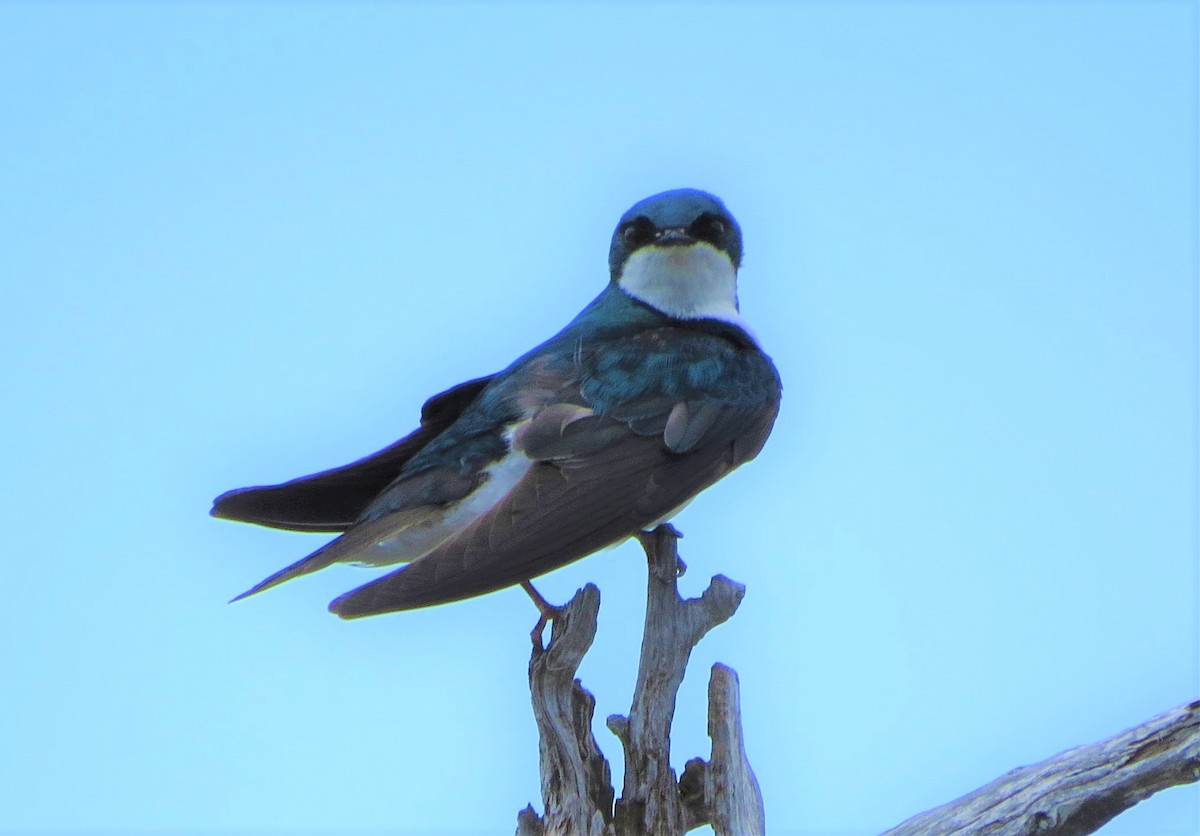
[[679, 251]]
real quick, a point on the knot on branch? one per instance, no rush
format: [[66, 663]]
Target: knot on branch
[[716, 604], [618, 724], [692, 794]]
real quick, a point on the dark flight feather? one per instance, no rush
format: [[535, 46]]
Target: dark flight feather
[[334, 499], [570, 504]]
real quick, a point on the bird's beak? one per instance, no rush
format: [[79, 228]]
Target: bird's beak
[[673, 237]]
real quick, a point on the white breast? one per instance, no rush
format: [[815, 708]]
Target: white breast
[[693, 282]]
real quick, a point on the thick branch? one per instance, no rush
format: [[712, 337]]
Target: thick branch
[[577, 791], [731, 791], [1076, 791], [576, 785], [1073, 793], [650, 799], [723, 792]]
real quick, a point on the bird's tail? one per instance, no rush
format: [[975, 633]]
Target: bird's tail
[[319, 559]]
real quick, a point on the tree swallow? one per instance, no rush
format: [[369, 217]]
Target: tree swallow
[[656, 390]]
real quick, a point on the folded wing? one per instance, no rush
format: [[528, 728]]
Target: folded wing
[[594, 481], [334, 499]]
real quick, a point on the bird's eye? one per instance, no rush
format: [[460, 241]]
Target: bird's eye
[[637, 232], [708, 228]]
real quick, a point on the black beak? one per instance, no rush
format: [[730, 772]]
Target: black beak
[[673, 237]]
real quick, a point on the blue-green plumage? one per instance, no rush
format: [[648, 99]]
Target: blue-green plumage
[[653, 392]]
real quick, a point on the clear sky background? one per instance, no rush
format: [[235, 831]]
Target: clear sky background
[[242, 243]]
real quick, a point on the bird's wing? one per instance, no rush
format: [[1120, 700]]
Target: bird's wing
[[417, 501], [595, 479], [333, 499]]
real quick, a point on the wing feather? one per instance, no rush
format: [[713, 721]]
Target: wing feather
[[416, 502], [334, 499], [594, 485]]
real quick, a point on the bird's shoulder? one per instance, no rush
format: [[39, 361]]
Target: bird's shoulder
[[633, 376], [690, 385], [707, 361]]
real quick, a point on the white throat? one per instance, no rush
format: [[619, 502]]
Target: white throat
[[697, 281]]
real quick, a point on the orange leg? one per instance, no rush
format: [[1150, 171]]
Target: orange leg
[[547, 612]]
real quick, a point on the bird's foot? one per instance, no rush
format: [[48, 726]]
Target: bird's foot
[[659, 546], [547, 612]]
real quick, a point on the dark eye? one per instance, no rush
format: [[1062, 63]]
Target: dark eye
[[708, 228], [637, 232]]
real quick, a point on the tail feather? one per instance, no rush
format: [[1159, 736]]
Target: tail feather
[[319, 559]]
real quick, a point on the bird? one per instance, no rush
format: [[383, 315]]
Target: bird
[[655, 391]]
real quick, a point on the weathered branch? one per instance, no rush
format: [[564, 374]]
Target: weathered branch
[[723, 791], [1070, 794], [730, 788], [576, 782], [1079, 790], [650, 799]]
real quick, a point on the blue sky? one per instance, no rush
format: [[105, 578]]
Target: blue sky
[[241, 243]]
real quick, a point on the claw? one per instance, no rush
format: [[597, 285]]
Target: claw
[[547, 612], [650, 541]]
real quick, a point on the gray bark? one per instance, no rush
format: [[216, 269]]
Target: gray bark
[[730, 789], [1073, 793], [576, 788], [1076, 791], [576, 782], [650, 801]]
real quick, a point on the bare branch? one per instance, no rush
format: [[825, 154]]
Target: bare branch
[[650, 799], [577, 791], [1076, 791], [1073, 793], [576, 783], [731, 791]]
